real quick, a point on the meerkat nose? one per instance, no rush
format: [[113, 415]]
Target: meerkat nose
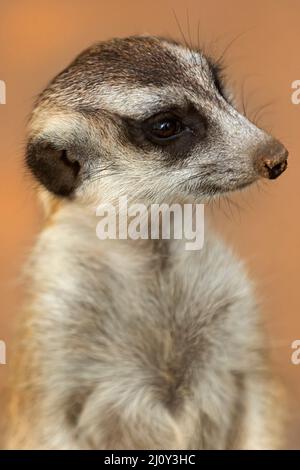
[[271, 161]]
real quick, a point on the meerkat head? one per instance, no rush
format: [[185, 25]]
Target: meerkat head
[[147, 118]]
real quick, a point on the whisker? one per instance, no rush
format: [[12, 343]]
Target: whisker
[[193, 55], [227, 48], [257, 113], [180, 29]]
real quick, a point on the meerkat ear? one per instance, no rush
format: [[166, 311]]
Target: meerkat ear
[[56, 168]]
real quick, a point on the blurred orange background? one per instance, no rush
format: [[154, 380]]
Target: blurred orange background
[[40, 37]]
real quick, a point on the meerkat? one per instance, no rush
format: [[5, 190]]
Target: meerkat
[[140, 344]]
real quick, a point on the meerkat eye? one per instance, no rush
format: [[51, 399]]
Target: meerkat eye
[[164, 128]]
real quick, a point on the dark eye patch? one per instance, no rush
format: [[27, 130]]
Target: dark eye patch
[[186, 127]]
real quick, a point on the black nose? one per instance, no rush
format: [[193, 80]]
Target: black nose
[[274, 170], [271, 160]]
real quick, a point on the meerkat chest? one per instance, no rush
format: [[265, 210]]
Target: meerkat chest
[[137, 301], [131, 318]]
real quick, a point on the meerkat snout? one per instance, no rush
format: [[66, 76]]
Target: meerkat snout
[[148, 118], [271, 160]]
